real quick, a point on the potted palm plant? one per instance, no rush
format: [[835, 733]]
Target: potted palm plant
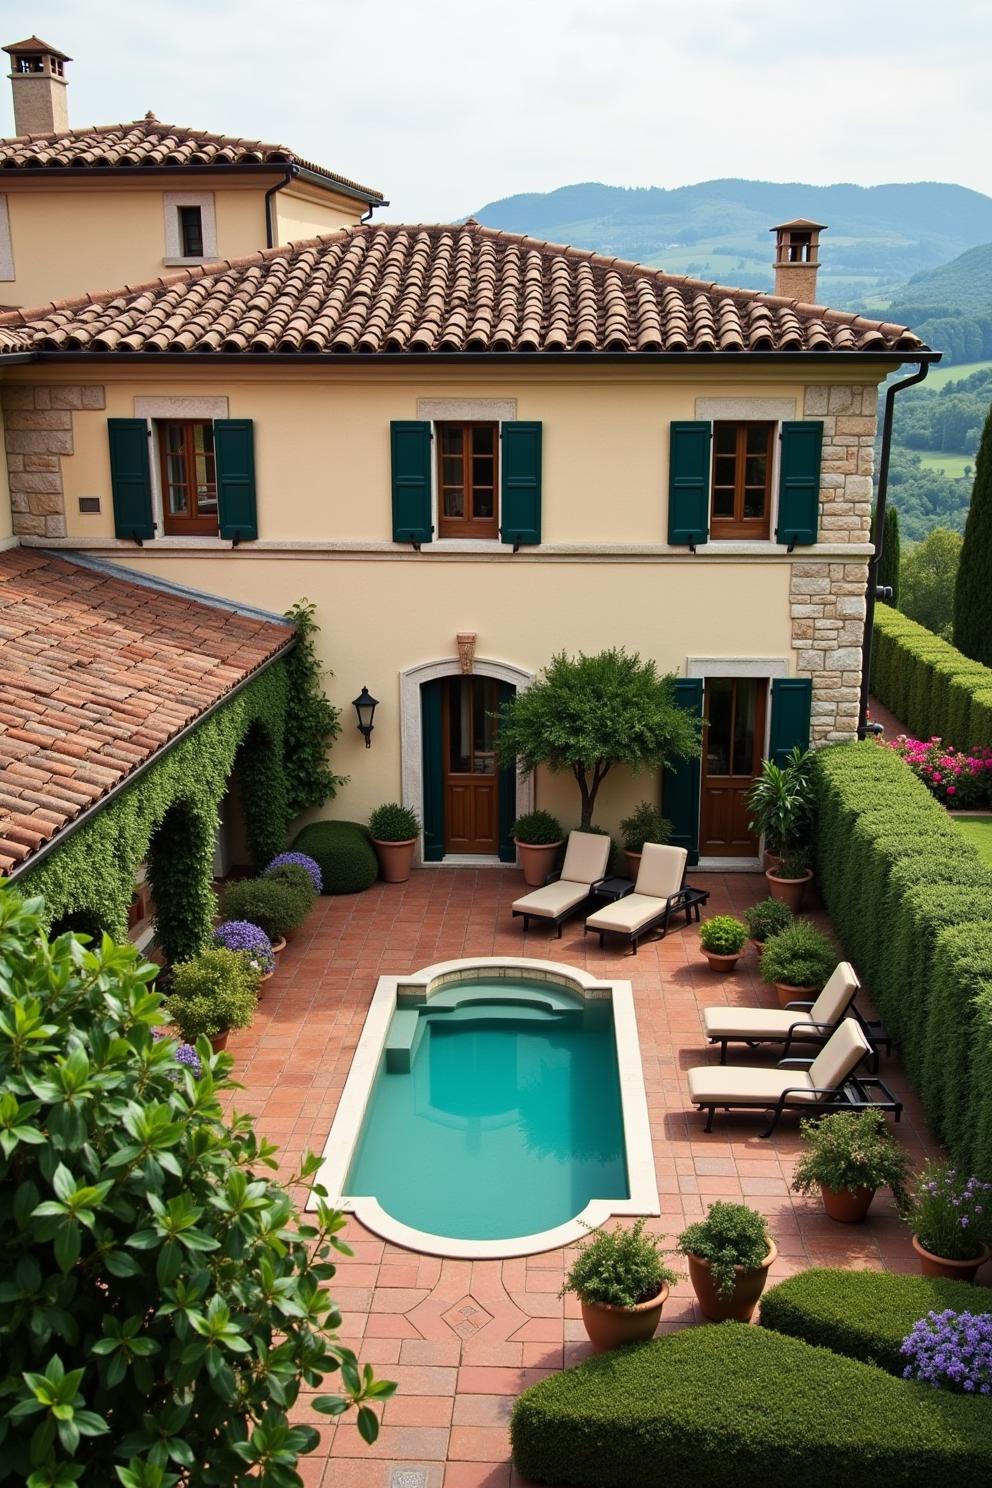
[[781, 804], [848, 1157], [951, 1220], [539, 837], [213, 993], [722, 939], [644, 824], [394, 830], [766, 918], [622, 1282], [797, 962], [787, 879], [729, 1254]]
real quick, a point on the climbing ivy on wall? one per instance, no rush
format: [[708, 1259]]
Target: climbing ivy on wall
[[313, 722], [170, 817]]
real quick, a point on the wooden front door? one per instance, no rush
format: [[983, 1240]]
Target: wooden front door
[[733, 740], [471, 775]]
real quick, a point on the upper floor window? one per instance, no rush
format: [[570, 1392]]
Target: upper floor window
[[191, 232], [190, 227], [742, 480], [467, 479], [189, 477]]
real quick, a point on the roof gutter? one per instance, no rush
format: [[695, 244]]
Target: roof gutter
[[56, 173], [270, 226], [893, 358], [871, 593]]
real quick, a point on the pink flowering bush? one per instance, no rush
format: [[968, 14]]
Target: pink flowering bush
[[958, 778]]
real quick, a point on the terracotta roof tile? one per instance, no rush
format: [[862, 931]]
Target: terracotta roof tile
[[370, 290], [98, 673], [149, 142]]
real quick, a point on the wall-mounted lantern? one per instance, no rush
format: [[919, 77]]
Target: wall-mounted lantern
[[365, 705]]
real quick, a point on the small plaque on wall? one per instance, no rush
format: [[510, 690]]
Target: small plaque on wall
[[89, 505]]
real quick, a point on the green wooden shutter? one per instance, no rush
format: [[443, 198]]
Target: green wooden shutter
[[689, 482], [507, 792], [680, 781], [791, 700], [410, 444], [520, 483], [432, 769], [799, 482], [130, 478], [234, 448]]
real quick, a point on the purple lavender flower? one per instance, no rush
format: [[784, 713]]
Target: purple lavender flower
[[187, 1056], [298, 860], [242, 935], [951, 1350]]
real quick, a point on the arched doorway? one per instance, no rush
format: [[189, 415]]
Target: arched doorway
[[79, 922]]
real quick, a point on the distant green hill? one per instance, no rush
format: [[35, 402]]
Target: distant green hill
[[951, 306], [880, 236]]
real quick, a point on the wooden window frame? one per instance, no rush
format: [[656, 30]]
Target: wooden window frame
[[186, 248], [738, 525], [468, 526], [194, 523]]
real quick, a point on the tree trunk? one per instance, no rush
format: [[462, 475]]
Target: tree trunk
[[589, 791]]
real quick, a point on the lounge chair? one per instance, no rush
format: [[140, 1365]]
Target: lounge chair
[[659, 892], [586, 858], [825, 1083], [800, 1022]]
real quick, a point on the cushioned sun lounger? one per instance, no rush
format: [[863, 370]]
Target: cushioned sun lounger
[[827, 1082], [799, 1022], [659, 892], [586, 858]]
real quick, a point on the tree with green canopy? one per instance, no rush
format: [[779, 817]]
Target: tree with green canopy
[[973, 593], [929, 573], [887, 572]]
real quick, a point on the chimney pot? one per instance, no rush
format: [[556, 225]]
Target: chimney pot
[[38, 83], [797, 259]]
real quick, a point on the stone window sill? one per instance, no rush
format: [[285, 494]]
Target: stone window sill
[[188, 263]]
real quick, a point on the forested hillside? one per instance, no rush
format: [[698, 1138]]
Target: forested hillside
[[951, 306]]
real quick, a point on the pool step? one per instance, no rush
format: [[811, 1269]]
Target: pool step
[[403, 1040], [483, 1008]]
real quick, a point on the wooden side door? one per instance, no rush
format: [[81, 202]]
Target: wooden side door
[[471, 775], [733, 740]]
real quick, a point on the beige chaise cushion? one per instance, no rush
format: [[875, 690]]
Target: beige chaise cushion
[[552, 900], [662, 870], [745, 1022], [586, 857], [727, 1084], [840, 1055], [842, 985], [628, 915]]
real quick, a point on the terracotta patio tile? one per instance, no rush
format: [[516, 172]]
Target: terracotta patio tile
[[477, 1475], [479, 1443]]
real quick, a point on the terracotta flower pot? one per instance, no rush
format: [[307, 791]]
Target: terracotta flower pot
[[537, 860], [934, 1265], [848, 1205], [633, 863], [611, 1327], [722, 963], [788, 993], [278, 946], [748, 1287], [770, 860], [395, 859], [219, 1041], [789, 890]]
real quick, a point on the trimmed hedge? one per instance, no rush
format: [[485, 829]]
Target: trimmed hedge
[[930, 685], [912, 904], [727, 1406], [863, 1314], [345, 855]]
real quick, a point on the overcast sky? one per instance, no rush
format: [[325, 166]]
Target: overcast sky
[[450, 104]]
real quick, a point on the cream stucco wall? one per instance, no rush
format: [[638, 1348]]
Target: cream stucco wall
[[306, 212]]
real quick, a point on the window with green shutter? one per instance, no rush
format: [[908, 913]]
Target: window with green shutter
[[410, 446], [681, 779], [130, 479], [520, 507], [234, 448], [790, 722], [689, 483], [799, 482]]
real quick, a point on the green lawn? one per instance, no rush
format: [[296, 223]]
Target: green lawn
[[978, 831], [939, 375], [951, 464]]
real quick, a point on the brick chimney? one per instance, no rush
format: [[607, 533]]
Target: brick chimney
[[797, 249], [38, 83]]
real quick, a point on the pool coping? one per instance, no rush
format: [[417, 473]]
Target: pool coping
[[346, 1127]]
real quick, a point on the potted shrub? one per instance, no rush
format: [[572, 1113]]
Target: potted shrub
[[241, 935], [302, 860], [394, 830], [539, 837], [951, 1220], [780, 803], [729, 1253], [787, 879], [644, 824], [848, 1157], [277, 904], [766, 918], [300, 881], [213, 993], [622, 1282], [797, 962], [722, 939]]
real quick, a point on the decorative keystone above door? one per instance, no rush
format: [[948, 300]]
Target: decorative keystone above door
[[466, 640]]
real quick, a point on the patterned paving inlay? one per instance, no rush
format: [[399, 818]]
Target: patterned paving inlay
[[467, 1317]]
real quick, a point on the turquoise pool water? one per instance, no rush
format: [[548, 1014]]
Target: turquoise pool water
[[495, 1112]]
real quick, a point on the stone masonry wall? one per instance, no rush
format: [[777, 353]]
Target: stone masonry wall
[[828, 598], [37, 433]]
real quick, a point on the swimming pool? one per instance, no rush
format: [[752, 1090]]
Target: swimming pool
[[494, 1107]]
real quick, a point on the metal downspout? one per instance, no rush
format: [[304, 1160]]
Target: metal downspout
[[270, 235], [922, 368]]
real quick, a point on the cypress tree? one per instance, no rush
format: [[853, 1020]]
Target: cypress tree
[[888, 569], [973, 591]]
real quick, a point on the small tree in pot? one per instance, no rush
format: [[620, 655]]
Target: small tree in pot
[[848, 1156], [787, 879], [394, 830], [213, 993], [781, 804], [538, 836], [729, 1254], [797, 962], [644, 824], [722, 939], [765, 919], [622, 1282]]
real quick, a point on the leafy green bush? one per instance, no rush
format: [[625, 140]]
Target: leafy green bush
[[780, 802], [298, 879], [864, 1314], [393, 823], [723, 935], [927, 682], [537, 829], [730, 1235], [620, 1267], [726, 1406], [347, 859], [312, 721], [276, 903], [215, 991], [644, 824], [849, 1151], [799, 956], [162, 1300], [767, 918]]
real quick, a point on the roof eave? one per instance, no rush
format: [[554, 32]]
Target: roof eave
[[248, 167], [896, 355]]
